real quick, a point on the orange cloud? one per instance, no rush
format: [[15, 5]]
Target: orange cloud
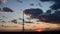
[[3, 1]]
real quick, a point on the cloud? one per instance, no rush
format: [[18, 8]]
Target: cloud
[[20, 19], [31, 4], [51, 17], [55, 6], [20, 1], [40, 4], [48, 17], [3, 1], [14, 21], [6, 9], [3, 21], [33, 12], [48, 12], [44, 0]]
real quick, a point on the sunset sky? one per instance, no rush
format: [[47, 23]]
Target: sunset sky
[[20, 7]]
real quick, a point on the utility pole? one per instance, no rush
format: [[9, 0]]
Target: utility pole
[[23, 21]]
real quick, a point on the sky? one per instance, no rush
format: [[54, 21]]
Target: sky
[[20, 7]]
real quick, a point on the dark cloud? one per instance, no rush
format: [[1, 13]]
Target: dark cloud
[[48, 17], [54, 6], [6, 9], [48, 12], [51, 17], [33, 12], [14, 21], [3, 21], [31, 4], [28, 22], [40, 4], [44, 0], [20, 19], [56, 1], [20, 1]]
